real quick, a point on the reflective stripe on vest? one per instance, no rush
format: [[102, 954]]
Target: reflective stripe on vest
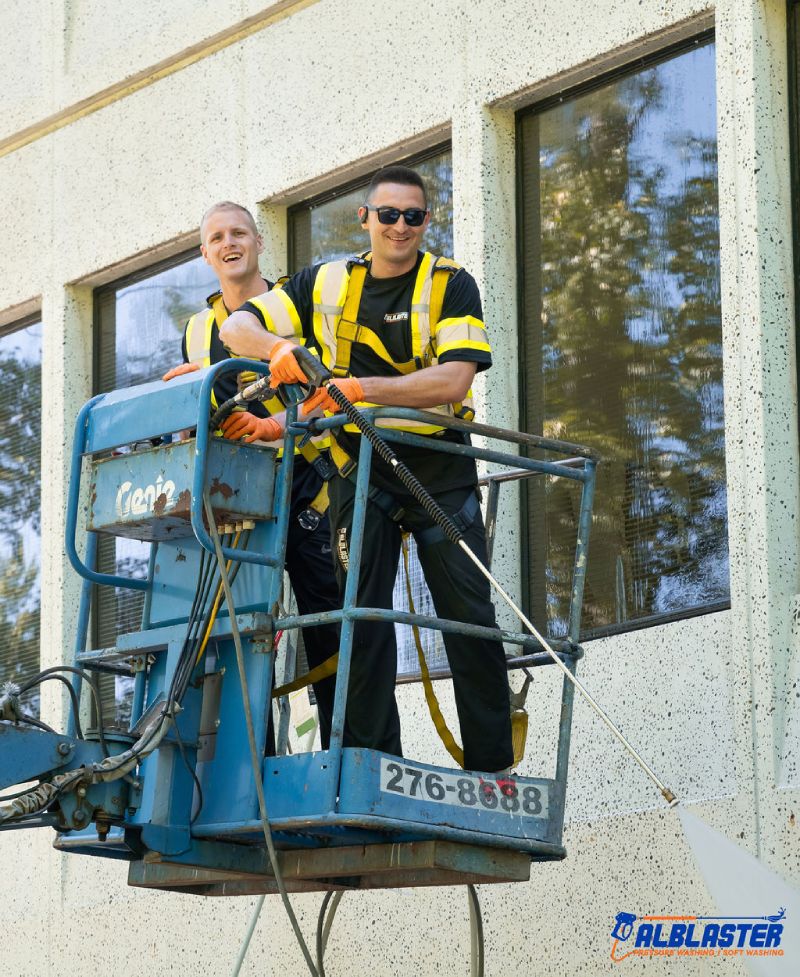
[[199, 332], [336, 297], [198, 337]]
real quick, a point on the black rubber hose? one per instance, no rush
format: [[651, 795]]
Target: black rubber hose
[[73, 698], [406, 476], [93, 687]]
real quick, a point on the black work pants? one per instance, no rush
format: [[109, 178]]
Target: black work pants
[[310, 568], [459, 593]]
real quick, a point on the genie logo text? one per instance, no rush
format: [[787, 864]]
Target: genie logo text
[[697, 936]]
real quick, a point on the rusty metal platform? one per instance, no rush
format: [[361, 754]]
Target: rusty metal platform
[[392, 866]]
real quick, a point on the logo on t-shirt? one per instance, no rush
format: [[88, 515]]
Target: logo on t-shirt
[[392, 317]]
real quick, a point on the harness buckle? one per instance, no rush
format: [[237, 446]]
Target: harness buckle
[[309, 519], [348, 468]]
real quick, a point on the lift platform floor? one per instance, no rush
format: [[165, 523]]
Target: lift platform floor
[[401, 865]]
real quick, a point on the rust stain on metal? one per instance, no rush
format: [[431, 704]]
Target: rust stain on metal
[[225, 490], [160, 504], [184, 501]]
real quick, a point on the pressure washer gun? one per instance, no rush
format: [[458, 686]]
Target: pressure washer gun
[[289, 394]]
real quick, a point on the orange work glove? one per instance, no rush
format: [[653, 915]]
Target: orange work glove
[[178, 371], [349, 386], [283, 366], [243, 424]]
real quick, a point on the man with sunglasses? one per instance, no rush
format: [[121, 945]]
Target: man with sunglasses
[[398, 327]]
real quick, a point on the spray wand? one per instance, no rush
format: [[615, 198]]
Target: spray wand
[[318, 376]]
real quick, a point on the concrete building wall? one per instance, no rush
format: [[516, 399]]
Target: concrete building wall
[[103, 170]]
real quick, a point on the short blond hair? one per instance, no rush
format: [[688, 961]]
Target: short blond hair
[[227, 205]]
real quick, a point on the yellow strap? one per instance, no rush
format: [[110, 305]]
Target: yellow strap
[[320, 502], [519, 733], [340, 458], [441, 276], [220, 312], [442, 728], [328, 667], [347, 329]]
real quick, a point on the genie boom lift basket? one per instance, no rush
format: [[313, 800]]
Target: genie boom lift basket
[[175, 794]]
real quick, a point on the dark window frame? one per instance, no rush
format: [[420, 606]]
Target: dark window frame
[[602, 80]]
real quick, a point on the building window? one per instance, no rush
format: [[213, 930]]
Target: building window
[[20, 488], [138, 329], [621, 343], [327, 228]]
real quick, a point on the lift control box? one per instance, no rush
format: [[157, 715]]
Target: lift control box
[[147, 494]]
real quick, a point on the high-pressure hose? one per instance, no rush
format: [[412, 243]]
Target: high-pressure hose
[[404, 474], [452, 532]]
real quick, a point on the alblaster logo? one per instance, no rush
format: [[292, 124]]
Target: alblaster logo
[[697, 936], [139, 501]]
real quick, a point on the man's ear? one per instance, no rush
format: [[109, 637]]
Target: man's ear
[[260, 243], [363, 215], [204, 253]]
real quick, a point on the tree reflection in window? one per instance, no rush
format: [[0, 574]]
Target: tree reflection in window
[[20, 490], [622, 342]]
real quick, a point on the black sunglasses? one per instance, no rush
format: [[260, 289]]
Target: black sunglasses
[[391, 215]]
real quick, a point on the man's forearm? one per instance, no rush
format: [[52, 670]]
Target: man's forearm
[[244, 334], [444, 383]]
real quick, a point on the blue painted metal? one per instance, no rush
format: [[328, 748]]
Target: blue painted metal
[[27, 753], [82, 627], [147, 494], [340, 797]]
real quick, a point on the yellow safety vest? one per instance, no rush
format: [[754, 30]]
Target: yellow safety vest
[[199, 332], [336, 296]]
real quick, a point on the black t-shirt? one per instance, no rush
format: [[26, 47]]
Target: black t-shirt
[[225, 385], [385, 308]]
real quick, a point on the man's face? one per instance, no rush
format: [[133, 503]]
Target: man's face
[[231, 245], [396, 244]]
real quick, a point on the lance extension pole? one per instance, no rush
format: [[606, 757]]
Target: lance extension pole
[[453, 533]]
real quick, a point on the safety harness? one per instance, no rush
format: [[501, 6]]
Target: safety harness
[[199, 333], [337, 298]]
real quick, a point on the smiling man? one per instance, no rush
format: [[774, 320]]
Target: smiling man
[[231, 244], [399, 327]]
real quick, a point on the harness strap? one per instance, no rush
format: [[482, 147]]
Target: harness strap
[[347, 329], [328, 667], [445, 735], [346, 467], [464, 518]]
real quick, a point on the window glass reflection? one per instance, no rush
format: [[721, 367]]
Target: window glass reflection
[[622, 338], [20, 507]]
